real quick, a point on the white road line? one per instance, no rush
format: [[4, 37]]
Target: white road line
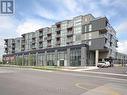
[[78, 85]]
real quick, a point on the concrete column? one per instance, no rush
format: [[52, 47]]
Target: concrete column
[[15, 59], [83, 56], [56, 57], [36, 58], [68, 57], [96, 57], [42, 59], [58, 63], [29, 59], [45, 58], [22, 59]]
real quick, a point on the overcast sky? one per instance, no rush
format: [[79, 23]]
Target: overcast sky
[[31, 15]]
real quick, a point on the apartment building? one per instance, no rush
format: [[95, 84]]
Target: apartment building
[[81, 41]]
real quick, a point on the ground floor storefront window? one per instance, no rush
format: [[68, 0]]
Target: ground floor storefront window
[[75, 57], [50, 59]]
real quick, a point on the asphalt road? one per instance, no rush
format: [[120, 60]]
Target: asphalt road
[[16, 81]]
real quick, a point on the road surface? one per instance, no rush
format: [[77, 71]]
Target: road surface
[[17, 81]]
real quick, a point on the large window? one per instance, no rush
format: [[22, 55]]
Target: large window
[[78, 37], [40, 59], [90, 27], [78, 29], [51, 59], [85, 29], [75, 57]]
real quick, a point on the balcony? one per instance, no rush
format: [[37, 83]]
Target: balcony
[[13, 41], [71, 43], [107, 44], [70, 33], [6, 43], [58, 42], [58, 29], [103, 35], [49, 38], [13, 46], [58, 35], [40, 45], [58, 24], [6, 51], [23, 41], [33, 41], [33, 46], [49, 32], [40, 33], [70, 24], [13, 51], [40, 39], [69, 40], [49, 45], [22, 48]]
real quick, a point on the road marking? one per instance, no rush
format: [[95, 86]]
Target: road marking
[[79, 86], [106, 89]]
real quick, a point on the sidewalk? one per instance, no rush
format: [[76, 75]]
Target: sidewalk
[[80, 69], [117, 71]]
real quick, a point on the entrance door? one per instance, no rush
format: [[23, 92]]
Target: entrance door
[[61, 62]]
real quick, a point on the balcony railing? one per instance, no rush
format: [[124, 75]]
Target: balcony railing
[[33, 46], [5, 43], [33, 41], [6, 51], [22, 48], [49, 45], [103, 35], [69, 33], [69, 40], [58, 42], [41, 46], [49, 37], [58, 29], [58, 35]]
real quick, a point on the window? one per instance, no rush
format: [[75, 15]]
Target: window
[[85, 29], [50, 59], [89, 43], [75, 57], [90, 27], [90, 36], [78, 37], [77, 29]]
